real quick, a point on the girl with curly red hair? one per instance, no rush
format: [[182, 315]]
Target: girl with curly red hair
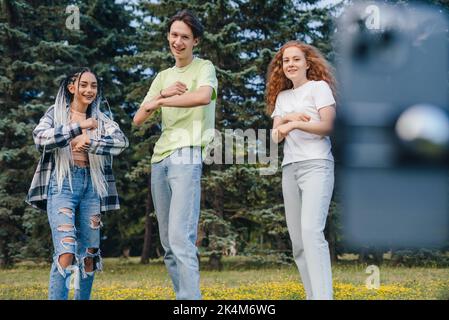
[[300, 100]]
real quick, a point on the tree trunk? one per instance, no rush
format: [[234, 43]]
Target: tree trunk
[[378, 256], [215, 262], [363, 255], [371, 255], [3, 261], [149, 208], [6, 260], [218, 204]]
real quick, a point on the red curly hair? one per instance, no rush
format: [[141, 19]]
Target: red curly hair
[[319, 69]]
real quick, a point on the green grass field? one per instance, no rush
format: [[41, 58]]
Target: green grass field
[[127, 279]]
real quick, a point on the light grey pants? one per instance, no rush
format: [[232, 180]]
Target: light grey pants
[[307, 189]]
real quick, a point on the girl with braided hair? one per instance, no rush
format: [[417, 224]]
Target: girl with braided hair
[[74, 182]]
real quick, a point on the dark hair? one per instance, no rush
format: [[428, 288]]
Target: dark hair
[[71, 78], [189, 19]]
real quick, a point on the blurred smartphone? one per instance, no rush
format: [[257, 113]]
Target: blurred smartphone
[[392, 132]]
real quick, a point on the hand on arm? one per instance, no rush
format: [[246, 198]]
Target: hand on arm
[[147, 108], [283, 125], [111, 142], [177, 88], [323, 127], [83, 144], [295, 116], [200, 97], [84, 140], [48, 137]]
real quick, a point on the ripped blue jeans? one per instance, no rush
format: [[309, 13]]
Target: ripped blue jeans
[[75, 222]]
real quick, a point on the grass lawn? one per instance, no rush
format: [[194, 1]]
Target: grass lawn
[[127, 279]]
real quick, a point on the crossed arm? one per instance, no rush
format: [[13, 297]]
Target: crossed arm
[[174, 96], [283, 125], [48, 137]]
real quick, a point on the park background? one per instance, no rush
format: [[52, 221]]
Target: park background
[[242, 226]]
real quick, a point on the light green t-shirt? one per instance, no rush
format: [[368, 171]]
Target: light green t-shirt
[[183, 127]]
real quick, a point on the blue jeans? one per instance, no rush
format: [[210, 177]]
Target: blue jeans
[[307, 189], [176, 191], [75, 223]]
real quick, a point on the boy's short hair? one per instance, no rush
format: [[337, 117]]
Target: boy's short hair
[[189, 19]]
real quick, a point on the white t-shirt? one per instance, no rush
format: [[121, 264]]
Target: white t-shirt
[[308, 98]]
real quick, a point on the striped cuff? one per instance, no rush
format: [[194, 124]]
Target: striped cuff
[[75, 129]]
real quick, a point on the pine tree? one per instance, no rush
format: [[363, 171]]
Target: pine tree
[[238, 205], [126, 45], [37, 49]]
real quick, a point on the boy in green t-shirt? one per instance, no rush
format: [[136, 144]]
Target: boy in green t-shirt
[[186, 94]]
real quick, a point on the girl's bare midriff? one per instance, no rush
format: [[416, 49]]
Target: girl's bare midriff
[[80, 158]]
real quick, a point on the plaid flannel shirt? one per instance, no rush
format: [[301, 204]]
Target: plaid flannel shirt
[[48, 138]]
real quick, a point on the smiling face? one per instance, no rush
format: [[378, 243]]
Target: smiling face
[[181, 41], [294, 64], [84, 89]]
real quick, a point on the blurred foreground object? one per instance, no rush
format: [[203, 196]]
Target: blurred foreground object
[[393, 126]]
